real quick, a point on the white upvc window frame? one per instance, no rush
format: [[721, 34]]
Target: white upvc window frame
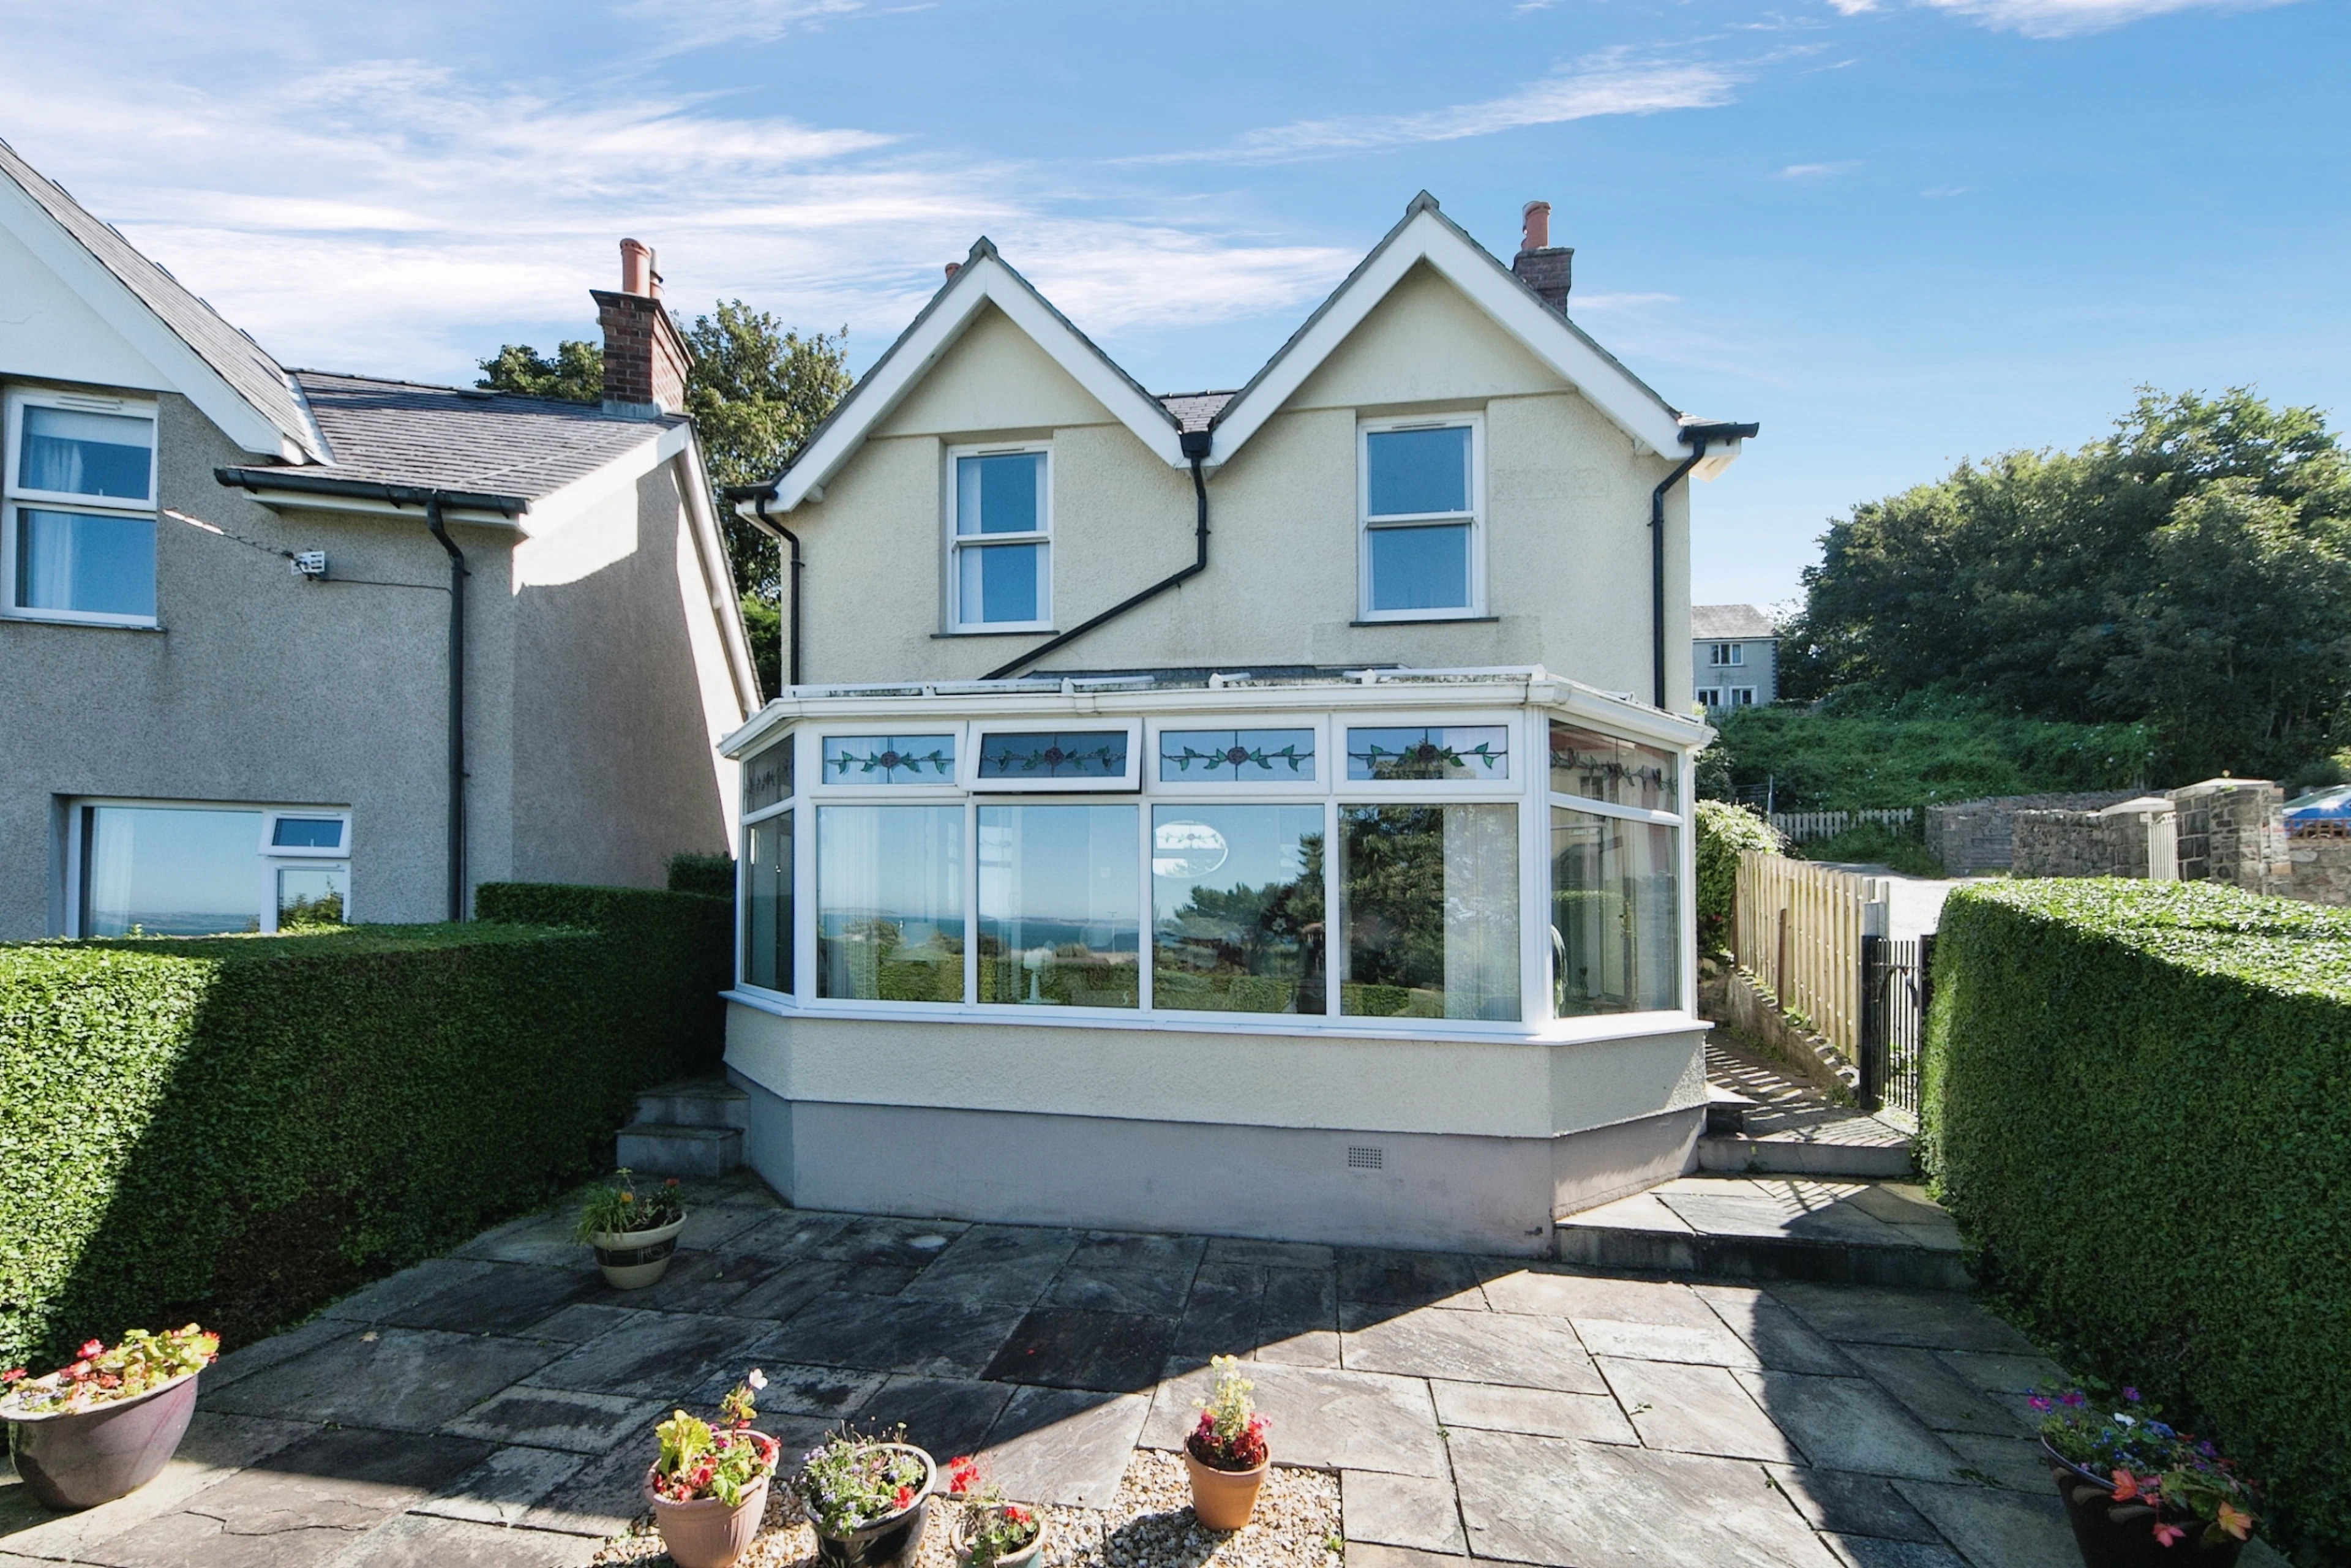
[[1710, 697], [1740, 696], [976, 740], [1366, 525], [958, 542], [803, 872], [1724, 655], [14, 496], [820, 786], [273, 858], [1272, 785], [1516, 780], [1685, 853]]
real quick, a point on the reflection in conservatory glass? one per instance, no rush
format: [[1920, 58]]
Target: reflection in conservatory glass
[[767, 904], [1429, 910], [1429, 751], [889, 758], [1602, 767], [1083, 754], [1249, 756], [1060, 906], [1237, 908], [1615, 940], [889, 894], [312, 895], [767, 778]]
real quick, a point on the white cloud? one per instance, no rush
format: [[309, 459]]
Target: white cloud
[[2062, 18], [1851, 8], [1602, 85], [698, 23], [1817, 170]]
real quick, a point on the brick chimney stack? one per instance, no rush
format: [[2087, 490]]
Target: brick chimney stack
[[645, 356], [1545, 267]]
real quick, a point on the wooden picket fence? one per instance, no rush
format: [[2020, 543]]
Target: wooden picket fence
[[1797, 927], [1804, 827]]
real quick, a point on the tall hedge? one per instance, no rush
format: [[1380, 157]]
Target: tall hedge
[[2138, 1107], [238, 1129], [1723, 831]]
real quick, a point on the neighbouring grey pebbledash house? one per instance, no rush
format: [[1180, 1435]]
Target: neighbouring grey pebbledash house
[[279, 647], [1260, 812], [1734, 656]]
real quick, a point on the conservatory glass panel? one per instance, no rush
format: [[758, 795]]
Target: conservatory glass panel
[[1429, 911], [1602, 767], [889, 893], [767, 904], [1060, 905], [1425, 752], [767, 778], [1237, 908], [889, 758], [1053, 754], [1615, 932], [1248, 756]]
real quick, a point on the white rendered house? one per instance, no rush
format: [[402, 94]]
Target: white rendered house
[[1249, 812]]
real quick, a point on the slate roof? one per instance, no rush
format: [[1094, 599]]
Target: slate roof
[[1194, 411], [234, 357], [1728, 622], [448, 438]]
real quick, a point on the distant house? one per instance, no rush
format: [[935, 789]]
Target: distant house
[[278, 647], [1734, 656]]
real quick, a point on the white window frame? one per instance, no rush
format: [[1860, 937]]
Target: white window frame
[[1740, 696], [957, 542], [272, 857], [1366, 524], [1710, 697], [803, 874], [824, 788], [967, 764], [1721, 654], [13, 495], [1243, 787], [1393, 791]]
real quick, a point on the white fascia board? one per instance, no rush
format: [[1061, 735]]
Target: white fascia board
[[984, 280], [56, 249], [308, 501], [1605, 383]]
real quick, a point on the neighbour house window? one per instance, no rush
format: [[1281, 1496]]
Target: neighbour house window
[[1237, 908], [77, 526], [1740, 696], [1001, 572], [1422, 554], [1060, 906], [1709, 696], [199, 871], [1726, 653], [889, 890]]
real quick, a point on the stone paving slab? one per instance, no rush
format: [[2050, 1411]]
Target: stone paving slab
[[1328, 1420], [1474, 1347], [1694, 1410], [423, 1541], [1064, 1446], [405, 1380], [1538, 1412], [1416, 1511]]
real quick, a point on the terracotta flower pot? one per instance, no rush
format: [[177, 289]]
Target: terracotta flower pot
[[84, 1458], [706, 1533], [959, 1540], [888, 1539], [631, 1260], [1222, 1500], [2122, 1535]]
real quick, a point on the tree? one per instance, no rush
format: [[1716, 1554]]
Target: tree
[[755, 392], [2185, 571]]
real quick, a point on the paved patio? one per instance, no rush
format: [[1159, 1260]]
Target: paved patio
[[495, 1406]]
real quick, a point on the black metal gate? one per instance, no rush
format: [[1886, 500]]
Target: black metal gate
[[1895, 987]]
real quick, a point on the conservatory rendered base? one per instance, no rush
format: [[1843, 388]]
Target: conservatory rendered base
[[1147, 1169]]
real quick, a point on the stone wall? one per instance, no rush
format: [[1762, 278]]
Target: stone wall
[[2230, 830], [2057, 843], [2322, 869], [1971, 837], [2234, 831]]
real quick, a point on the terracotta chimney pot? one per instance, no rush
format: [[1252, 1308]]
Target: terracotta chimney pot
[[1545, 267], [637, 274], [1537, 215], [953, 268]]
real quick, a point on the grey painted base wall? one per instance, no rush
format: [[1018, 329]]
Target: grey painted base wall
[[1443, 1191]]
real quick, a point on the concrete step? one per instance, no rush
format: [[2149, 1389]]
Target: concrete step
[[665, 1149], [1772, 1227], [1740, 1154], [696, 1103]]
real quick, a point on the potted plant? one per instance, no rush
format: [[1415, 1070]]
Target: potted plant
[[708, 1487], [2135, 1491], [1227, 1453], [988, 1531], [634, 1232], [90, 1432], [867, 1497]]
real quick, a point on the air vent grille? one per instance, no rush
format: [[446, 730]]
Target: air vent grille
[[1363, 1157]]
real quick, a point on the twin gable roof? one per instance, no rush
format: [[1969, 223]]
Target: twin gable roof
[[1424, 235]]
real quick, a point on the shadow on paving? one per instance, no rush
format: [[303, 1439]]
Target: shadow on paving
[[1500, 1408]]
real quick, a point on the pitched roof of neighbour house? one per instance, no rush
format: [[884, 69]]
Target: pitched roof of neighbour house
[[243, 368], [1424, 235], [1729, 622]]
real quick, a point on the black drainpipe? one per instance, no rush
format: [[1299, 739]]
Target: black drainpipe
[[458, 575], [1696, 435], [1196, 446]]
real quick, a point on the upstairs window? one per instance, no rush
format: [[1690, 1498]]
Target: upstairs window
[[1001, 574], [1421, 556], [1726, 653], [78, 525]]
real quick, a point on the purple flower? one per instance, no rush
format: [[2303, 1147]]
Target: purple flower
[[2130, 1393], [2038, 1403], [2072, 1396]]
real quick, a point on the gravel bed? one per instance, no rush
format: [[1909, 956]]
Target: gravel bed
[[1149, 1524]]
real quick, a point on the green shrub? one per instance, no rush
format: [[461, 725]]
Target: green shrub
[[2136, 1108], [1856, 757], [712, 875], [1874, 843], [1724, 830]]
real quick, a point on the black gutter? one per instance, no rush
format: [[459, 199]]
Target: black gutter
[[1196, 444], [260, 479], [1696, 436], [760, 496]]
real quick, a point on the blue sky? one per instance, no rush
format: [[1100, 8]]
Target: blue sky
[[1897, 232]]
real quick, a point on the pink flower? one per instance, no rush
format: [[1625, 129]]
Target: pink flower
[[2166, 1534], [90, 1348]]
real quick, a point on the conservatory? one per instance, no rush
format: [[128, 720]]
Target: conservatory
[[1384, 956]]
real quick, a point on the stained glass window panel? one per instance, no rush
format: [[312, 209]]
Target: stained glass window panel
[[767, 777], [1429, 752], [889, 758], [1053, 754], [1602, 767], [1248, 756]]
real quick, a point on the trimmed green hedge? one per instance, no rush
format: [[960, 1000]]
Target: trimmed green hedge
[[1724, 830], [2138, 1107], [238, 1129]]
